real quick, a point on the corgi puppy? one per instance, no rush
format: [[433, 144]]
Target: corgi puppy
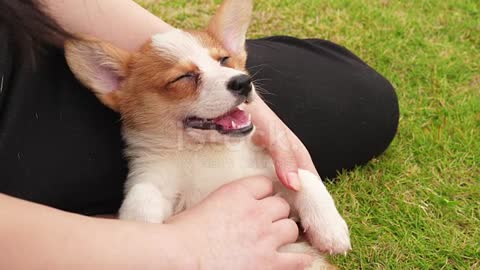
[[182, 99]]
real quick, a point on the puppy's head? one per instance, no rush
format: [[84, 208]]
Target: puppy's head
[[188, 82]]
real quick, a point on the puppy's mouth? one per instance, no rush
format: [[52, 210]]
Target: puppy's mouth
[[236, 122]]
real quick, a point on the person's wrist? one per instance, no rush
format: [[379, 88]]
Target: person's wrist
[[186, 249], [166, 247]]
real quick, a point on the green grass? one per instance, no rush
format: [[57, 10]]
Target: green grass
[[418, 205]]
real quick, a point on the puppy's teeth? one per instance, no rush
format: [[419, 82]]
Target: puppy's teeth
[[249, 118], [234, 125]]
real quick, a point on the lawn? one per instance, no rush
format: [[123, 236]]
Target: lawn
[[418, 205]]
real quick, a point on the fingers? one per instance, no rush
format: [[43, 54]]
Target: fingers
[[277, 207], [294, 261], [285, 164], [282, 145], [258, 186], [286, 232]]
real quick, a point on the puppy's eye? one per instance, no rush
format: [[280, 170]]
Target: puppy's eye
[[188, 75], [224, 60]]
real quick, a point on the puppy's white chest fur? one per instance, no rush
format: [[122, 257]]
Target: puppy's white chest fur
[[186, 176], [214, 166]]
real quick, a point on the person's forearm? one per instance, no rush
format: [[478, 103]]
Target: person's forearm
[[37, 237], [121, 22]]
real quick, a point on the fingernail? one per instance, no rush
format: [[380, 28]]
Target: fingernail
[[294, 181]]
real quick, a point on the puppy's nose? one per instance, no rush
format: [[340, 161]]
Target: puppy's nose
[[240, 85]]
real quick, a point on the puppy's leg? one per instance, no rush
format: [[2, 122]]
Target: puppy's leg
[[324, 227], [144, 202]]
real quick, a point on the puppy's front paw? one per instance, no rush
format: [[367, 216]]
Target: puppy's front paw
[[324, 227], [327, 231], [145, 203]]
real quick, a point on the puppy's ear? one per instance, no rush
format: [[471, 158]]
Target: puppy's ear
[[230, 24], [99, 66]]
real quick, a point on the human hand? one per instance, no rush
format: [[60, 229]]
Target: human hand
[[287, 151], [240, 226]]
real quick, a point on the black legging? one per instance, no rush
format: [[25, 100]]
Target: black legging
[[59, 146], [343, 110]]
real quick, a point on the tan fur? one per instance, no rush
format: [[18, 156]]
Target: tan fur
[[149, 92]]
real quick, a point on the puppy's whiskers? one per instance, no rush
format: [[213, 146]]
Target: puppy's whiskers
[[256, 72], [1, 85]]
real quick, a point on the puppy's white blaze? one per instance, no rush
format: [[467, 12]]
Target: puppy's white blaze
[[215, 99], [178, 45]]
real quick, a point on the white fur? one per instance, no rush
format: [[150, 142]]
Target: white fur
[[323, 225], [1, 85]]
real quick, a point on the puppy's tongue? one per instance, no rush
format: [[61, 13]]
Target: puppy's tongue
[[235, 119]]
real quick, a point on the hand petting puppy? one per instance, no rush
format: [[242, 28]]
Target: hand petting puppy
[[287, 151]]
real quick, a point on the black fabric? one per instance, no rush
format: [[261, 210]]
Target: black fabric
[[343, 110], [60, 147]]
